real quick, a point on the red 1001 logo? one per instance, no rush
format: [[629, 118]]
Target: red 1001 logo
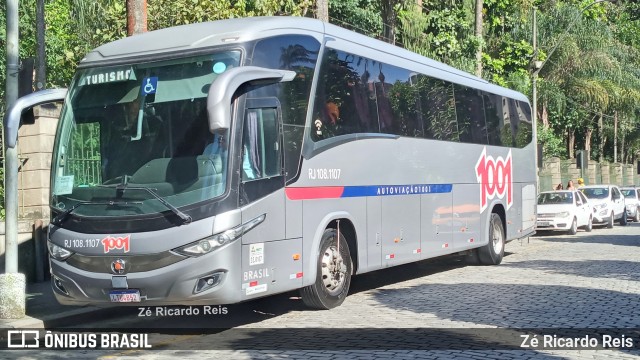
[[113, 243], [495, 177]]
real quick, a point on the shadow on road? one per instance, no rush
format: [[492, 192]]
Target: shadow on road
[[597, 236], [605, 269]]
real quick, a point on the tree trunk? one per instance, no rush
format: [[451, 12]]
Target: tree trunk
[[587, 142], [545, 116], [322, 10], [615, 136], [603, 139], [571, 141], [622, 138], [478, 34], [136, 17], [389, 19]]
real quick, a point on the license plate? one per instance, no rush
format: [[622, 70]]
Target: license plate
[[543, 223], [124, 296]]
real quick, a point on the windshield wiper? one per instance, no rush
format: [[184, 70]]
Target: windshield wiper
[[186, 219], [63, 215]]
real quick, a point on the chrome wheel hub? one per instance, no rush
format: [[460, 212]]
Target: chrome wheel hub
[[334, 270]]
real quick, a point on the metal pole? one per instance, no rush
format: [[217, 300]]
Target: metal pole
[[11, 160], [41, 63], [11, 210], [534, 94], [12, 283], [534, 80]]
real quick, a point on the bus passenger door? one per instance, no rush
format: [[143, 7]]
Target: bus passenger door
[[267, 261]]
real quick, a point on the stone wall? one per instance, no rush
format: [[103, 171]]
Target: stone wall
[[35, 144], [555, 171]]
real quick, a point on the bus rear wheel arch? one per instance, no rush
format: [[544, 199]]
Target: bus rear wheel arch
[[333, 273]]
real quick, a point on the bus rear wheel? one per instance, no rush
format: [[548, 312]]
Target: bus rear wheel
[[492, 253], [333, 276]]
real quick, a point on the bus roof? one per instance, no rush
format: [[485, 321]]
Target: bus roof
[[200, 36]]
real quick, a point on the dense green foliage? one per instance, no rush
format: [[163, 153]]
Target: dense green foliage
[[588, 87]]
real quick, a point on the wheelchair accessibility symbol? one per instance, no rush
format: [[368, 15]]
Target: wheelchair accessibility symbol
[[149, 85]]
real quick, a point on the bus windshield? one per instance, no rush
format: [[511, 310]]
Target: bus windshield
[[140, 125]]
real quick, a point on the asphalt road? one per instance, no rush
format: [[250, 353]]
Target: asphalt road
[[551, 287]]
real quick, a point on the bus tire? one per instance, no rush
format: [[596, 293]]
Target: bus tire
[[333, 276], [492, 253]]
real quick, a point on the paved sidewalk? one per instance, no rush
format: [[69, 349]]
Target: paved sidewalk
[[44, 311]]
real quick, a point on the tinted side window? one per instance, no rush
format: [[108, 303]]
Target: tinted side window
[[398, 102], [437, 106], [345, 100], [517, 130], [300, 54], [494, 117], [524, 133], [470, 113], [360, 95]]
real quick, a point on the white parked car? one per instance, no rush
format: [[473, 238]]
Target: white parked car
[[608, 204], [565, 210], [632, 202]]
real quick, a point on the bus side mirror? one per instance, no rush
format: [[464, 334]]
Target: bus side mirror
[[22, 111], [225, 85]]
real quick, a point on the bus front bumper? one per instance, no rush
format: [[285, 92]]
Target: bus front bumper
[[211, 279]]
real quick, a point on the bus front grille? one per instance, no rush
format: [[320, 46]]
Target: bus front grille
[[132, 263]]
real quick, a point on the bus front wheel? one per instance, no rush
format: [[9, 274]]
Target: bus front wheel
[[492, 253], [333, 275]]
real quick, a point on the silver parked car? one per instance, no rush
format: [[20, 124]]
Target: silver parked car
[[632, 202]]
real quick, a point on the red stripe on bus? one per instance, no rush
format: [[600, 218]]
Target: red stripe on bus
[[308, 193]]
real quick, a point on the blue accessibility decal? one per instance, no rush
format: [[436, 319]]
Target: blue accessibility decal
[[149, 85]]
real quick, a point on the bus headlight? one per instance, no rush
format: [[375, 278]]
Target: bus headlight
[[207, 245], [58, 252]]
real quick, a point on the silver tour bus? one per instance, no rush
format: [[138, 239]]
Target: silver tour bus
[[219, 162]]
